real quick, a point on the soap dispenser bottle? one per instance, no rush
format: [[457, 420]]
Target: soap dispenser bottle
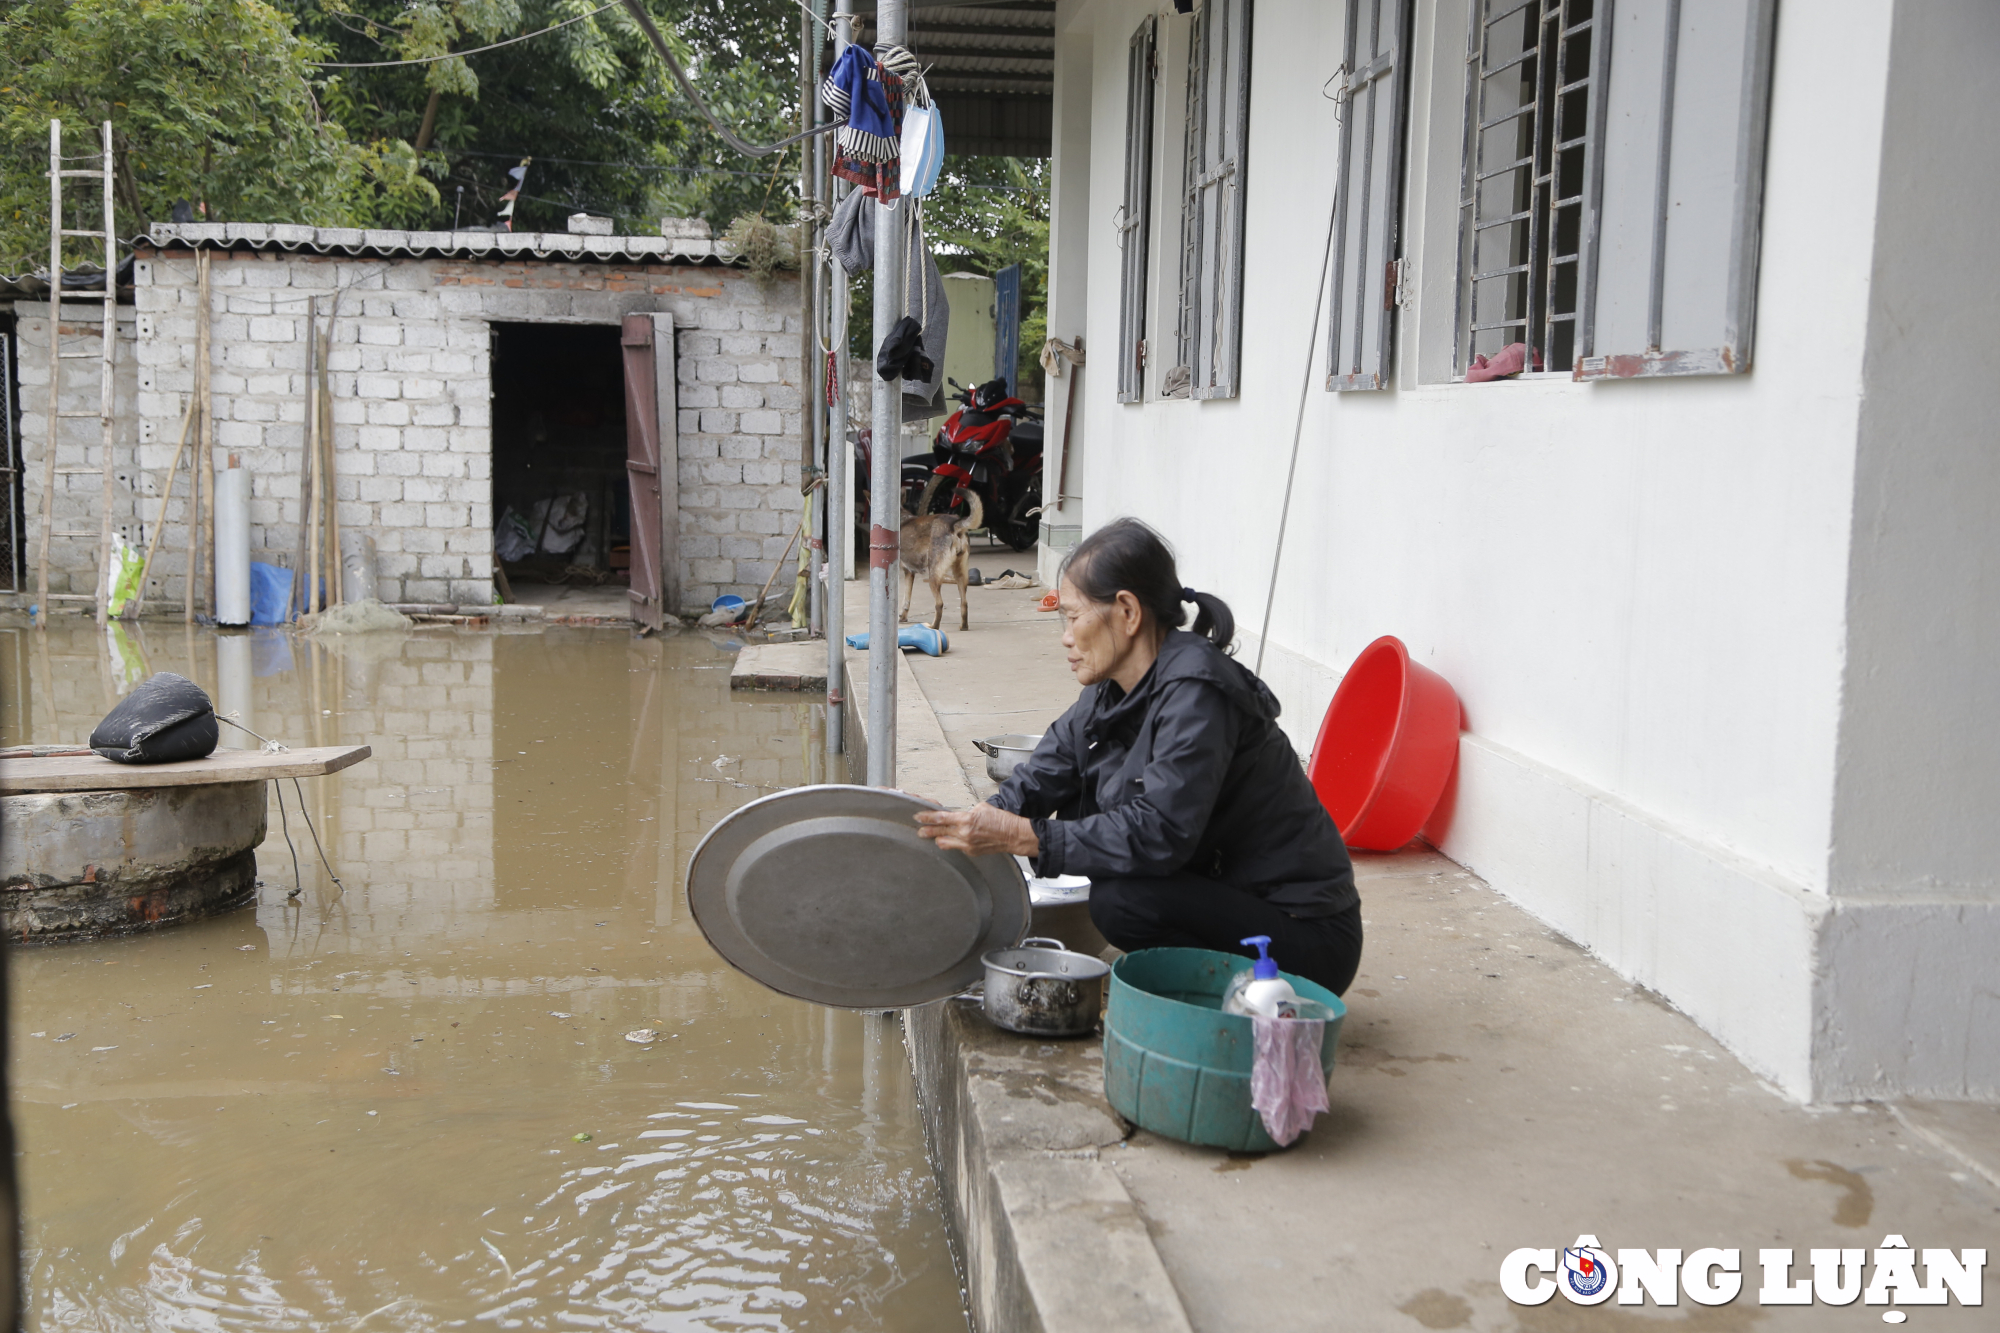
[[1261, 992]]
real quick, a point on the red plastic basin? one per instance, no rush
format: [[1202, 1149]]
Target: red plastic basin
[[1386, 748]]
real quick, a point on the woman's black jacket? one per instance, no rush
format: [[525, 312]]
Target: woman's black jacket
[[1187, 772]]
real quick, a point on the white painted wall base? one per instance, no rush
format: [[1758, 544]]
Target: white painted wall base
[[1730, 943]]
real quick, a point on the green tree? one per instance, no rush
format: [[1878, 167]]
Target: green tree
[[590, 103], [211, 101]]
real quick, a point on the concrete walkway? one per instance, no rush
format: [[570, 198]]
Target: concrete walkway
[[1496, 1088]]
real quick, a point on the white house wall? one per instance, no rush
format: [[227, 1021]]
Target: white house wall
[[1638, 589]]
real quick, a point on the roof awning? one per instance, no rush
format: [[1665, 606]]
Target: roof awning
[[991, 68]]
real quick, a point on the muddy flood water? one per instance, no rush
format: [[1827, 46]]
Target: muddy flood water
[[409, 1101]]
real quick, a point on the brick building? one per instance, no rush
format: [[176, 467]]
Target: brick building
[[469, 372]]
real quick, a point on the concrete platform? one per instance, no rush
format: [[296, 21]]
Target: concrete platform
[[1496, 1088], [780, 666], [561, 604]]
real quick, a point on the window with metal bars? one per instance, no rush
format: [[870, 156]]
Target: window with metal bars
[[1535, 70]]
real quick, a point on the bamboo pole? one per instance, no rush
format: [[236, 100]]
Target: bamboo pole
[[316, 486], [190, 589], [336, 592], [53, 430], [302, 592], [107, 387], [206, 459], [166, 498]]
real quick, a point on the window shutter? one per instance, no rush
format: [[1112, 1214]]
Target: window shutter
[[1672, 227], [1374, 96], [1212, 224], [1135, 215]]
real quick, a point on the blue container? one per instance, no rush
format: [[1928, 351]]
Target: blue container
[[1174, 1063], [270, 594]]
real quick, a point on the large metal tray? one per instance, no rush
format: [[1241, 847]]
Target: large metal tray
[[828, 894]]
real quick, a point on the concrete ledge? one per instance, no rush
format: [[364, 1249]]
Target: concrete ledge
[[1050, 1239]]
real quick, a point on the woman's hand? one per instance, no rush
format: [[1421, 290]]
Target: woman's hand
[[980, 831]]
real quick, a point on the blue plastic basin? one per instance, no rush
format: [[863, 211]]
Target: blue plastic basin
[[1174, 1063]]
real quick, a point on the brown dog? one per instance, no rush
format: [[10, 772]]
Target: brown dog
[[938, 547]]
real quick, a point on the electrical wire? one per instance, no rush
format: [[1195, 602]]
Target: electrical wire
[[957, 187], [729, 136], [459, 55], [278, 790], [1298, 428], [301, 793]]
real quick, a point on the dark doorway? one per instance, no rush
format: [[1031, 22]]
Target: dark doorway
[[560, 501]]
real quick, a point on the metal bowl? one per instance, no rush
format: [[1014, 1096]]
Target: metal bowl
[[1003, 752]]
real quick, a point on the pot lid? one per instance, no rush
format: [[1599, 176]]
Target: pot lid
[[828, 894]]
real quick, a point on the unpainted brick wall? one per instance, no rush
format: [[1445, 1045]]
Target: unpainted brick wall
[[411, 384], [79, 496]]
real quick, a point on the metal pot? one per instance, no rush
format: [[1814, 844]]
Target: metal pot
[[1003, 752], [1043, 990]]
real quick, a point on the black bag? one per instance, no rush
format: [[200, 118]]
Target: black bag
[[166, 718]]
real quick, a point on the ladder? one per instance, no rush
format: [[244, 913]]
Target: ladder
[[106, 357]]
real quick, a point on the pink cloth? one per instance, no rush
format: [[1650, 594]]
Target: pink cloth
[[1509, 360], [1287, 1085]]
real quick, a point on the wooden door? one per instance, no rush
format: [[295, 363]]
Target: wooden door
[[643, 463]]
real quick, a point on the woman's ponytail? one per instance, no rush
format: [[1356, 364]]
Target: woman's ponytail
[[1127, 556], [1212, 618]]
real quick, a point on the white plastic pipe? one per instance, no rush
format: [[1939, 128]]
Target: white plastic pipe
[[232, 545]]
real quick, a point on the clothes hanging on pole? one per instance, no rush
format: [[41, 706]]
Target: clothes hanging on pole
[[851, 233], [851, 237], [923, 287], [868, 99]]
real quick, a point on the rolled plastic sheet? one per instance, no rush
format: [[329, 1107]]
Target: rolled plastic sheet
[[232, 546]]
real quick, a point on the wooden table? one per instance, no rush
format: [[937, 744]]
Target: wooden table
[[91, 772]]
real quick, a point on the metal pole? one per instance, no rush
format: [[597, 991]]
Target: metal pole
[[885, 472], [834, 436], [809, 434]]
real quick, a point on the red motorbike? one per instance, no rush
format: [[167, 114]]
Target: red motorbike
[[992, 445]]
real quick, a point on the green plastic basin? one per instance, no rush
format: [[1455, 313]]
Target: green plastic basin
[[1174, 1063]]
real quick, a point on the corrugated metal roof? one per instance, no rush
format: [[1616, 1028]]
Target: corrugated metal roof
[[380, 244], [991, 66]]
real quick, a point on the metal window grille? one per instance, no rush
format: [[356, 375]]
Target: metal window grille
[[1535, 70], [1218, 109], [1135, 214]]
